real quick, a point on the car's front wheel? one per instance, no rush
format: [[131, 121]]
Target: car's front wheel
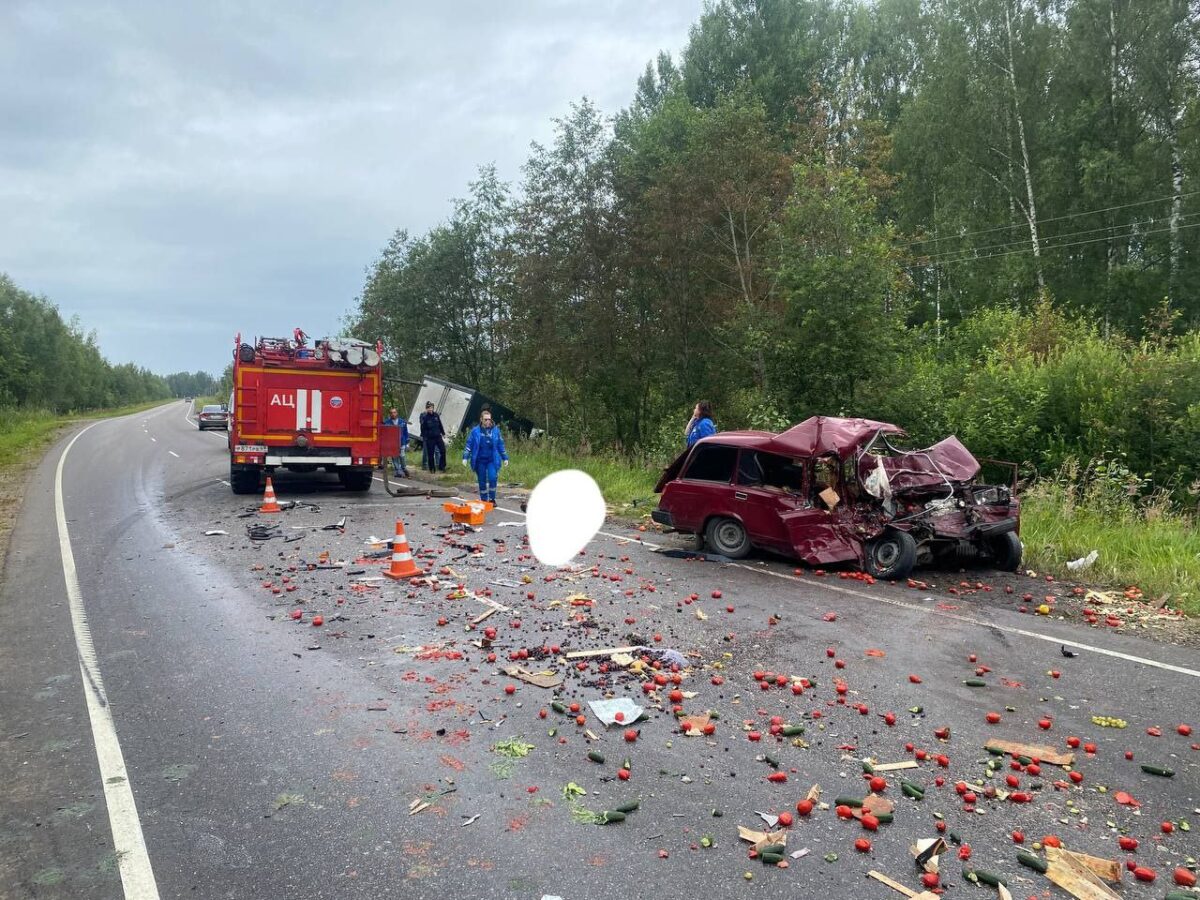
[[1006, 551], [727, 537], [892, 555]]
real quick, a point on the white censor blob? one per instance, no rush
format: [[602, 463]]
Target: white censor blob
[[564, 512]]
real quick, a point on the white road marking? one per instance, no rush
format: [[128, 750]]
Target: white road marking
[[173, 453], [224, 482], [154, 439], [925, 610], [137, 876]]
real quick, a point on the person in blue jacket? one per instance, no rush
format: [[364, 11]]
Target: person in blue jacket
[[485, 454], [701, 425], [399, 463]]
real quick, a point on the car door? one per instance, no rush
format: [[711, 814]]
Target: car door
[[760, 502], [705, 488], [815, 533]]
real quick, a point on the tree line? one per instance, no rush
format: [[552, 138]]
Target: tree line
[[51, 364], [820, 206]]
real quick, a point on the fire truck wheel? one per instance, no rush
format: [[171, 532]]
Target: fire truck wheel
[[244, 481], [356, 480]]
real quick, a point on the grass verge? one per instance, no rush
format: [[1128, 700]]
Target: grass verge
[[24, 437], [1152, 547], [627, 488]]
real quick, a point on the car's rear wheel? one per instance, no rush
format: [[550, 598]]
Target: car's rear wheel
[[727, 537], [891, 555], [1007, 551]]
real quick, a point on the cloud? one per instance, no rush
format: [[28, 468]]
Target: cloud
[[174, 173]]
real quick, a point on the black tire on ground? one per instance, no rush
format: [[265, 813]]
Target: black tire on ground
[[1006, 551], [356, 480], [892, 555], [244, 481], [727, 537]]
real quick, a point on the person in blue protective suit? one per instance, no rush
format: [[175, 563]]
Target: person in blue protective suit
[[485, 454], [701, 424]]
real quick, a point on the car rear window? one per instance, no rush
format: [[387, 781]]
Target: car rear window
[[212, 409], [712, 462]]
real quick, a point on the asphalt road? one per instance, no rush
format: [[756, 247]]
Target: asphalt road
[[269, 757]]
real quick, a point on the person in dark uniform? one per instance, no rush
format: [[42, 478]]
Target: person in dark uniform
[[433, 440]]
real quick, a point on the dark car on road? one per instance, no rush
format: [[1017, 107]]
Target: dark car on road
[[833, 490], [213, 417]]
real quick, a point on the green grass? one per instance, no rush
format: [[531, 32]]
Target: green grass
[[627, 488], [26, 433], [1152, 547]]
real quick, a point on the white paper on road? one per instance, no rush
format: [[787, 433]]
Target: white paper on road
[[606, 711]]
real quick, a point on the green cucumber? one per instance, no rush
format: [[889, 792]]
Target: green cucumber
[[868, 769], [613, 815], [848, 801], [975, 682], [995, 751], [629, 807], [771, 761], [1180, 895], [772, 848], [884, 818], [791, 730], [915, 791], [559, 707], [979, 876], [596, 756], [770, 859], [1027, 859], [1158, 770]]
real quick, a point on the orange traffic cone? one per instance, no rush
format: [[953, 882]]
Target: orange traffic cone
[[269, 505], [402, 561]]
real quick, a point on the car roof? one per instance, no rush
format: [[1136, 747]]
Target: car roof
[[814, 436], [212, 406], [739, 438]]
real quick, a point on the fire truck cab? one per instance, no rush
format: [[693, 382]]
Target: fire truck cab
[[305, 408]]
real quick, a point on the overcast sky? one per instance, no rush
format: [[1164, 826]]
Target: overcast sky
[[176, 172]]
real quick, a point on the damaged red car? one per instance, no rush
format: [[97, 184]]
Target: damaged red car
[[833, 490]]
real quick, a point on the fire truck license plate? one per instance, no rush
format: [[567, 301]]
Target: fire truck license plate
[[249, 448]]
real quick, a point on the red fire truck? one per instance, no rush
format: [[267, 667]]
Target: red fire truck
[[306, 408]]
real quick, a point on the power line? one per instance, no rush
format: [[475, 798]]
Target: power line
[[930, 265], [1047, 242], [1090, 212]]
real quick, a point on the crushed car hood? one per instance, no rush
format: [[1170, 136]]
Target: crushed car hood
[[947, 461]]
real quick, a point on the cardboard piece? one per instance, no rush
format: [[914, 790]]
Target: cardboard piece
[[1034, 751], [694, 725], [760, 839], [926, 852], [1075, 878], [537, 679], [830, 498]]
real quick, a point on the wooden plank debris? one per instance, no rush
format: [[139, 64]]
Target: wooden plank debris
[[1034, 751], [1075, 878]]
